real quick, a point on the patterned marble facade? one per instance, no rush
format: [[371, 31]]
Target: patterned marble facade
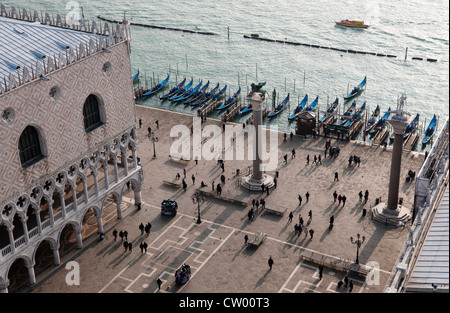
[[79, 169]]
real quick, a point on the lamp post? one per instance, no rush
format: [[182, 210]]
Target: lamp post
[[197, 199], [358, 242], [154, 139]]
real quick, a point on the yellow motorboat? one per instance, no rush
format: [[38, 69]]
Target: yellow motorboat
[[352, 23]]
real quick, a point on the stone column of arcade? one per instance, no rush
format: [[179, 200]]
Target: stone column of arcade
[[254, 181], [393, 213]]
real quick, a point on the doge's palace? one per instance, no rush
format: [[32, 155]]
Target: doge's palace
[[67, 132]]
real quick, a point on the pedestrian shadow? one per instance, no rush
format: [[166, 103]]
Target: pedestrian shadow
[[109, 249], [325, 234], [262, 279], [283, 229], [239, 252], [332, 185], [329, 208], [359, 206]]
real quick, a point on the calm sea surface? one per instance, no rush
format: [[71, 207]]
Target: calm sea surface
[[420, 26]]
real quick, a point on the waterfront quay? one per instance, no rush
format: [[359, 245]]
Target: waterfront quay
[[215, 249]]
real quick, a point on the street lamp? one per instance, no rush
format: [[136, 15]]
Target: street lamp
[[154, 139], [358, 242], [197, 199]]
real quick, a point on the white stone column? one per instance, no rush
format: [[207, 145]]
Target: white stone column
[[74, 198], [94, 173], [25, 229], [105, 169], [38, 219], [137, 194], [257, 179], [63, 204], [100, 223], [50, 212], [11, 238], [4, 286], [125, 162], [86, 193], [56, 257], [79, 238], [31, 274], [116, 170], [119, 208], [133, 151]]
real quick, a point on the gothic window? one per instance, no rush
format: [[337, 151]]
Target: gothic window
[[92, 114], [30, 149]]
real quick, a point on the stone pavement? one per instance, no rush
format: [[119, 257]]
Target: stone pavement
[[215, 249]]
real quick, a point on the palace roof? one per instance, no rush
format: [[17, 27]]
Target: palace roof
[[33, 45], [24, 43]]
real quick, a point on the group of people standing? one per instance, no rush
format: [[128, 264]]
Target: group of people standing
[[354, 159]]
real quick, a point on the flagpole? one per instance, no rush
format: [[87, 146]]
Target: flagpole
[[365, 126]]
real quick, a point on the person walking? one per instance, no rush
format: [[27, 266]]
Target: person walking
[[130, 246], [145, 247], [336, 176], [319, 159], [291, 215], [193, 179], [246, 239], [141, 228], [115, 234], [305, 230], [350, 284], [339, 199], [157, 124], [310, 216], [141, 246], [307, 159], [159, 282], [125, 245], [184, 172], [270, 262], [219, 189], [311, 233], [360, 194], [344, 198], [307, 196], [300, 219], [293, 153], [345, 281], [335, 195], [149, 131], [140, 123], [121, 235], [285, 158], [125, 235], [299, 200], [320, 272], [212, 185], [366, 196]]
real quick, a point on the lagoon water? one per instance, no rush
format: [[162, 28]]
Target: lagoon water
[[229, 58]]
